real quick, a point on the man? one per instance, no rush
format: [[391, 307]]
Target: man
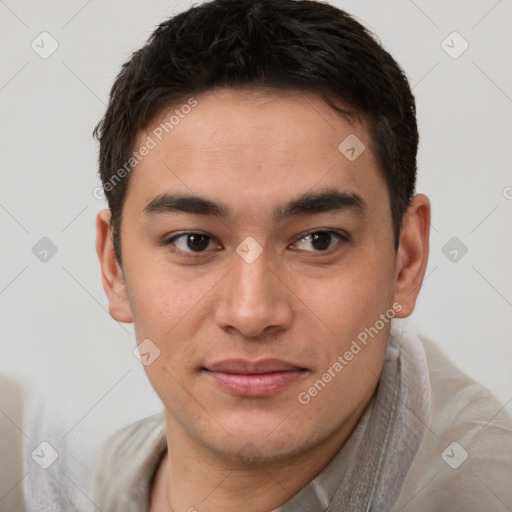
[[259, 161]]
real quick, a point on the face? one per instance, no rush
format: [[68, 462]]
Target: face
[[256, 256]]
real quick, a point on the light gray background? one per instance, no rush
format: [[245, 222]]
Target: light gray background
[[60, 347]]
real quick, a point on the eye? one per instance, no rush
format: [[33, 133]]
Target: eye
[[321, 240], [191, 242]]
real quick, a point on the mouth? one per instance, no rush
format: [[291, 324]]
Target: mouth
[[254, 378]]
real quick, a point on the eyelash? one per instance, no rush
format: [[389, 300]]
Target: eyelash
[[343, 237]]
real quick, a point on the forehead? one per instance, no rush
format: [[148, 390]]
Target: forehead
[[253, 146]]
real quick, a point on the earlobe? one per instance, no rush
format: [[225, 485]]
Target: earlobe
[[412, 255], [111, 272]]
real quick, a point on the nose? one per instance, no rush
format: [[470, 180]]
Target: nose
[[254, 299]]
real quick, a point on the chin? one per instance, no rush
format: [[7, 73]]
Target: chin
[[256, 439], [255, 452]]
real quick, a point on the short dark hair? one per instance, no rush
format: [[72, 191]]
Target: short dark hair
[[301, 45]]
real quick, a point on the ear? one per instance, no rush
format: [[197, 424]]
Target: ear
[[412, 254], [111, 272]]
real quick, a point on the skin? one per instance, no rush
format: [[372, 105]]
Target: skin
[[254, 151]]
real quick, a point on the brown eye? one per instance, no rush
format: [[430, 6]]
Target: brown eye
[[197, 242], [321, 240], [190, 242]]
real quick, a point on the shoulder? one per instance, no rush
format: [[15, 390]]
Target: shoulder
[[465, 459], [465, 410], [127, 463], [133, 439]]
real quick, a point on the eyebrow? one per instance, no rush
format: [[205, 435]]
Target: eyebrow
[[310, 203]]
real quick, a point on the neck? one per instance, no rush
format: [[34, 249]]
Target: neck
[[192, 478]]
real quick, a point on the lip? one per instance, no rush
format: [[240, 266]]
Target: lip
[[254, 378]]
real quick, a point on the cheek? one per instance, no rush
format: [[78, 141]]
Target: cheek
[[169, 309], [161, 298], [348, 298]]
